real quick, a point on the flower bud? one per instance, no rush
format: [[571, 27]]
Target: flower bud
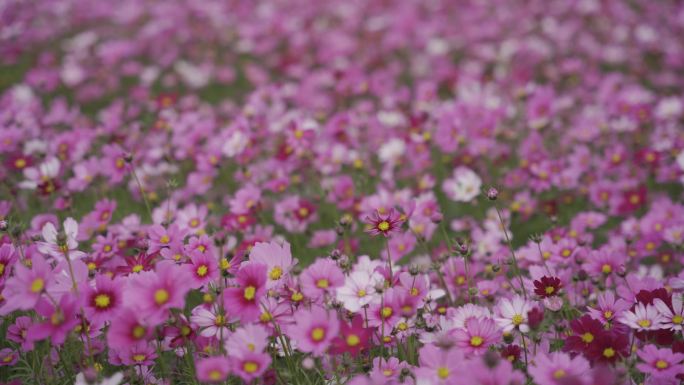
[[492, 194]]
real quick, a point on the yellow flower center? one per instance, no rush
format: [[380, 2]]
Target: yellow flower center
[[250, 366], [202, 270], [107, 248], [164, 239], [660, 364], [606, 269], [549, 290], [275, 273], [414, 291], [2, 268], [386, 312], [161, 296], [608, 314], [225, 264], [476, 341], [517, 319], [57, 318], [137, 268], [322, 283], [560, 373], [297, 296], [587, 337], [37, 285], [92, 266], [265, 317], [383, 226], [460, 280], [677, 319], [353, 340], [215, 375], [220, 320], [566, 253], [250, 292], [609, 352], [644, 323], [102, 300], [361, 293], [317, 334], [194, 223], [139, 357], [20, 163], [443, 373], [138, 332]]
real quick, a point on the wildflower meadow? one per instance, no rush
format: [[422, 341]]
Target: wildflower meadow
[[332, 192]]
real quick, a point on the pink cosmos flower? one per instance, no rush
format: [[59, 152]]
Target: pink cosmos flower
[[212, 369], [104, 299], [57, 248], [202, 269], [8, 357], [608, 308], [161, 237], [321, 278], [153, 293], [245, 299], [18, 332], [8, 257], [277, 258], [60, 320], [23, 290], [383, 223], [126, 329], [314, 330], [477, 336], [249, 365], [141, 353], [212, 322], [353, 337], [385, 312], [558, 368], [660, 363], [250, 337], [440, 367], [386, 371]]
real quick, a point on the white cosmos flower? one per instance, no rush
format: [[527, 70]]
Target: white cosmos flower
[[673, 319], [514, 314], [643, 317], [463, 186], [358, 289]]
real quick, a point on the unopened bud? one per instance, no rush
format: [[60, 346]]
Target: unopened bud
[[492, 194]]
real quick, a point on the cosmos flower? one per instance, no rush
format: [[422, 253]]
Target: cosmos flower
[[385, 224], [314, 330], [244, 300], [477, 335], [660, 363], [513, 314], [212, 369], [154, 293], [557, 368]]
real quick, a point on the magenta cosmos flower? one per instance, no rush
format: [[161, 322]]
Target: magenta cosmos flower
[[277, 258], [103, 299], [24, 289], [59, 320], [126, 329], [385, 224], [245, 300], [314, 329], [153, 293]]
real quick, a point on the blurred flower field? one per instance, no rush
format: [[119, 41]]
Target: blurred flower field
[[429, 192]]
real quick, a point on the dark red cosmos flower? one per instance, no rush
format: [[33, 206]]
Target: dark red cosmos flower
[[608, 347], [586, 331], [633, 199], [138, 263], [353, 338], [18, 162], [384, 224], [547, 286], [535, 317], [511, 353]]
